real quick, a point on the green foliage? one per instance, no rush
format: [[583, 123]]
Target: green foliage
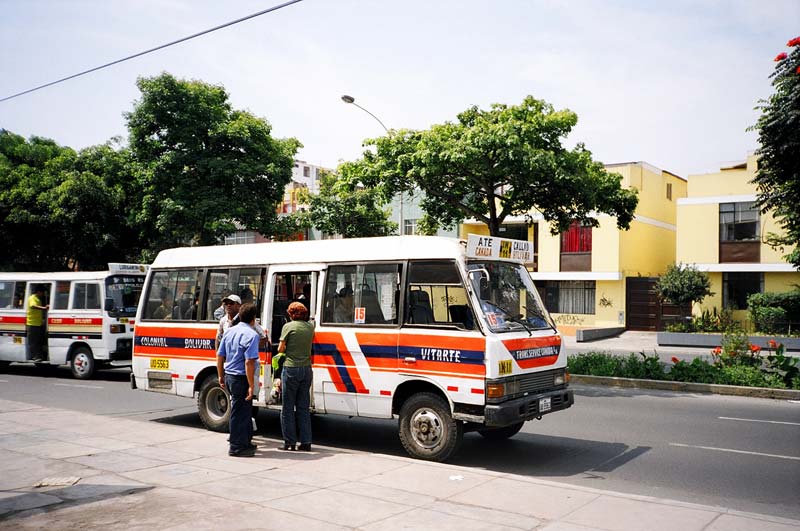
[[749, 376], [209, 166], [707, 322], [699, 371], [778, 176], [778, 371], [343, 206], [496, 163], [60, 209], [595, 364], [683, 284], [774, 313], [783, 367]]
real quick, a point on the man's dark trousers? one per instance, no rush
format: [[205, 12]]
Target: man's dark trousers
[[241, 412]]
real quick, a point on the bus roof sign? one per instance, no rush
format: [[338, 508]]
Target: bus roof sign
[[499, 248], [127, 268]]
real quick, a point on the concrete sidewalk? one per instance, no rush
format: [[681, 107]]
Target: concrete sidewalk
[[113, 473]]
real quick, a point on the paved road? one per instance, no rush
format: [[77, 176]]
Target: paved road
[[740, 453]]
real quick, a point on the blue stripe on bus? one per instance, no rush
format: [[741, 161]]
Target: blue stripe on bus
[[327, 349]]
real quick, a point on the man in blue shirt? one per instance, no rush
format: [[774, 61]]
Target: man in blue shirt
[[236, 362]]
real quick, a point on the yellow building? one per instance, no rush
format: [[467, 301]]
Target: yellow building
[[721, 231], [603, 277]]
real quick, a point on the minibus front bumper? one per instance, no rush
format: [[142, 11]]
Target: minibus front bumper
[[527, 408]]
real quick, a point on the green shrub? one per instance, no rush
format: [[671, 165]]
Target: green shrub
[[789, 302], [769, 320], [698, 371], [782, 366], [748, 376], [595, 364]]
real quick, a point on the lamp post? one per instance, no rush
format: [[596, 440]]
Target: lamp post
[[352, 101]]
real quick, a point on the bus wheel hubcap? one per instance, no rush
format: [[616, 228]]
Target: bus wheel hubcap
[[426, 428]]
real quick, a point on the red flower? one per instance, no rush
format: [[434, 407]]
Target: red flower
[[755, 349], [793, 42], [716, 350], [780, 57], [772, 343], [675, 360], [798, 70]]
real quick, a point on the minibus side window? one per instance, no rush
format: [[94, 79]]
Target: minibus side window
[[362, 294], [19, 294], [85, 296], [245, 282], [172, 295], [61, 297], [436, 296]]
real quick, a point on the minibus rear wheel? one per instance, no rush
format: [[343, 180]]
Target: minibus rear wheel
[[427, 429], [82, 363], [4, 365], [498, 434], [214, 405]]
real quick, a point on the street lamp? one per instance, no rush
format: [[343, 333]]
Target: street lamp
[[351, 100]]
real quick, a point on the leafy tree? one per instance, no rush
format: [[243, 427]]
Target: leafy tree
[[683, 284], [497, 163], [208, 165], [343, 206], [778, 176], [61, 209]]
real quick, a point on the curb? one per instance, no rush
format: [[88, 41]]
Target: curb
[[687, 387]]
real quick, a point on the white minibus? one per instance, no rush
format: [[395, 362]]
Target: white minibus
[[446, 335], [89, 322]]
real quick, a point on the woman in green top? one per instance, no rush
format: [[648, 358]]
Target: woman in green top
[[295, 342]]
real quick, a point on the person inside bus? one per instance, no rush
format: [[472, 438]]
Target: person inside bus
[[296, 375], [220, 311], [36, 324], [236, 369], [167, 307], [344, 311]]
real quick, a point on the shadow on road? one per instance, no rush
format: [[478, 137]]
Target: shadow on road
[[526, 453]]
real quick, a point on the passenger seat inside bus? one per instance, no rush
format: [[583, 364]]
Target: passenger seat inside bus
[[460, 313], [419, 310]]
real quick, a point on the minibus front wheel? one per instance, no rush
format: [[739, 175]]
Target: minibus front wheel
[[213, 405], [427, 429], [82, 363]]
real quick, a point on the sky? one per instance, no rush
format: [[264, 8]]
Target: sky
[[673, 83]]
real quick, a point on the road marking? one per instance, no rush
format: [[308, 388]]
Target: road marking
[[735, 451], [756, 420], [3, 381], [78, 385]]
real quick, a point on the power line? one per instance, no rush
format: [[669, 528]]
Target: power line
[[231, 23]]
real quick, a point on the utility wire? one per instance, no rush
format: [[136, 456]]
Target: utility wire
[[231, 23]]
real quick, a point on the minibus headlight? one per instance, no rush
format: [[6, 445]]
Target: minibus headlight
[[512, 387], [560, 378], [117, 328]]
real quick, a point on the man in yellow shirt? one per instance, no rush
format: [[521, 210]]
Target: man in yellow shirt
[[35, 324]]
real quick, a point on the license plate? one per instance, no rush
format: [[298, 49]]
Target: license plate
[[545, 404], [159, 363], [17, 340]]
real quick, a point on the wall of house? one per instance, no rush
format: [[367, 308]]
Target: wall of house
[[698, 234]]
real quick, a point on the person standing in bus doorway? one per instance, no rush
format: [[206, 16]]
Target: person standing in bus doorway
[[236, 362], [296, 376], [36, 324]]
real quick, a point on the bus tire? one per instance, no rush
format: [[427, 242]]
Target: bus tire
[[427, 429], [4, 365], [498, 434], [82, 363], [214, 405]]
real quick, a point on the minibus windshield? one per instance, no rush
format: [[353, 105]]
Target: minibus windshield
[[124, 291], [509, 301]]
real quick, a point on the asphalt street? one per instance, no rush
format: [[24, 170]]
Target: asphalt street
[[736, 452]]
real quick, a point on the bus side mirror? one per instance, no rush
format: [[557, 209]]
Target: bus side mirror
[[109, 304]]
